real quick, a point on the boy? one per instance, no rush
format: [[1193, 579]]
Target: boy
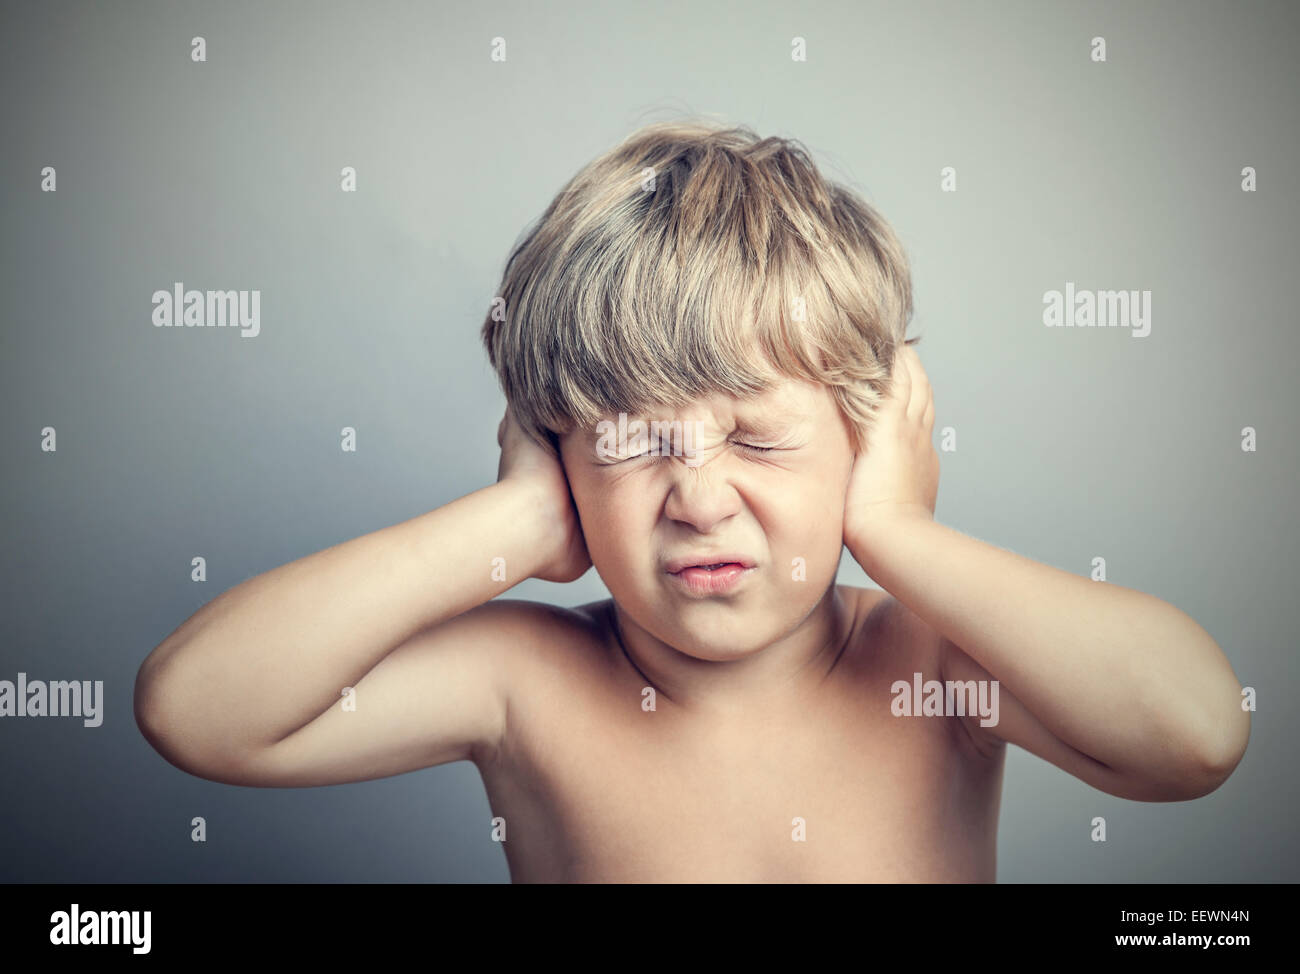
[[730, 714]]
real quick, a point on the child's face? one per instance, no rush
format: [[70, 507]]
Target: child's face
[[781, 511]]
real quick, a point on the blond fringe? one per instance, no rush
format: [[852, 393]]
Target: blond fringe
[[621, 298]]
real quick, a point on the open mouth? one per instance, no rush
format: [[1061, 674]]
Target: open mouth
[[714, 578], [721, 560]]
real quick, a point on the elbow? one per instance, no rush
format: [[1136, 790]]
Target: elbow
[[187, 737], [153, 705], [1207, 738], [145, 705], [1213, 756], [149, 706], [149, 698], [1194, 763], [1222, 750]]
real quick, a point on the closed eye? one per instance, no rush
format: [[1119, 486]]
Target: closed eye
[[654, 454]]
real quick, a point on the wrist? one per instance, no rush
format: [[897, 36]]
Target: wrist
[[870, 535], [536, 531]]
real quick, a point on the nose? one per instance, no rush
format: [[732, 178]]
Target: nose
[[700, 497]]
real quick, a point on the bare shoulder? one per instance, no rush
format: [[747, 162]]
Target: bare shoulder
[[545, 632], [863, 601], [888, 632], [893, 643], [542, 656]]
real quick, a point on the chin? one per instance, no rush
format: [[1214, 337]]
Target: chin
[[716, 643], [716, 654], [713, 631]]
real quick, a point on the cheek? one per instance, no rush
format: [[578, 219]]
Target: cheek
[[611, 522], [812, 496], [806, 520]]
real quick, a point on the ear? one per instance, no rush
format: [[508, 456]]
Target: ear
[[554, 442]]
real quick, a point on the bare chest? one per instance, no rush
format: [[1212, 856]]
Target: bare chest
[[611, 793]]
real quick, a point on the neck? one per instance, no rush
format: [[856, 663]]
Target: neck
[[777, 676]]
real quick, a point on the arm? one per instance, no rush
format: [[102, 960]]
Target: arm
[[248, 690], [1115, 686]]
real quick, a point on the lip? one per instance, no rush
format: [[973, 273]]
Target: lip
[[695, 580], [677, 565], [689, 574]]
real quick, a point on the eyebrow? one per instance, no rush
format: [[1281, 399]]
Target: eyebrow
[[765, 426], [755, 424]]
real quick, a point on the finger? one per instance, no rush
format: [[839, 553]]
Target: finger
[[918, 386], [901, 390], [915, 369]]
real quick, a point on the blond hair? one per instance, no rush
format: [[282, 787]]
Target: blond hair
[[693, 259]]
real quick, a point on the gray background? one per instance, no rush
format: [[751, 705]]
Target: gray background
[[173, 442]]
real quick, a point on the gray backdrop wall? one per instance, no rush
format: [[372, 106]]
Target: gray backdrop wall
[[1122, 174]]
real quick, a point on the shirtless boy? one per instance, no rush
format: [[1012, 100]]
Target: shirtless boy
[[751, 721]]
